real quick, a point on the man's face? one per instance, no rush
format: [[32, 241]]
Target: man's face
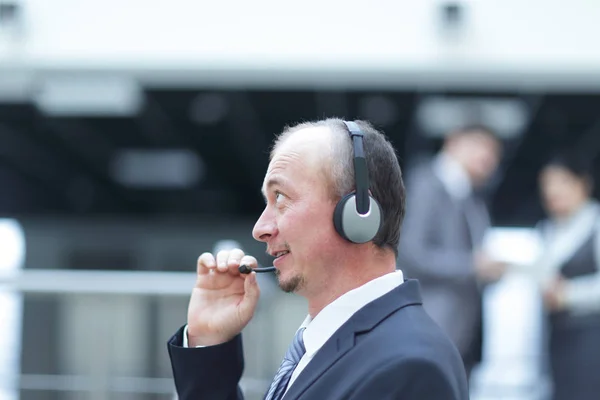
[[479, 154], [562, 191], [297, 222]]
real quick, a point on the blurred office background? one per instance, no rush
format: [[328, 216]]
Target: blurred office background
[[134, 135]]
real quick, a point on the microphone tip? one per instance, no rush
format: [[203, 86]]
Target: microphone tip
[[244, 269]]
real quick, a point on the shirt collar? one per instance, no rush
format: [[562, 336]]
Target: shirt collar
[[453, 176], [335, 314]]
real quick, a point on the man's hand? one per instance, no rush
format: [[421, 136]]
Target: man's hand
[[554, 295], [487, 269], [223, 300]]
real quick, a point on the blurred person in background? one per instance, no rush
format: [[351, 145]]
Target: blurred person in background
[[446, 219], [569, 268], [366, 335]]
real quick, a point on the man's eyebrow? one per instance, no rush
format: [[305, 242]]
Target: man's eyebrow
[[272, 181]]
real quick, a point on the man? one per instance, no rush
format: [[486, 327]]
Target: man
[[444, 228], [367, 335]]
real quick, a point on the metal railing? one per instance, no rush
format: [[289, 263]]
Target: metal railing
[[107, 283], [56, 281]]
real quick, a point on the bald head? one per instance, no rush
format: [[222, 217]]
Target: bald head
[[316, 146], [313, 142], [326, 146]]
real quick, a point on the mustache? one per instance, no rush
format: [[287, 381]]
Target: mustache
[[286, 246]]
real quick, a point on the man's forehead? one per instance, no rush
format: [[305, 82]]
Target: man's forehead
[[280, 166], [304, 145], [480, 138], [301, 152], [312, 136]]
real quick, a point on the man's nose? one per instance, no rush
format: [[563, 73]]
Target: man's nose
[[265, 227]]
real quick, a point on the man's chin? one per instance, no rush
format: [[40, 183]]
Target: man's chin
[[291, 284]]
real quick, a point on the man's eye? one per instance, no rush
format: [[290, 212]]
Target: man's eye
[[278, 196]]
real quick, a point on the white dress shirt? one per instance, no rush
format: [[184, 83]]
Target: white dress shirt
[[335, 314], [457, 183], [453, 177]]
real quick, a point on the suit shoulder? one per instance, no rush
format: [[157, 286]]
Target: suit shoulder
[[411, 334], [419, 170], [421, 177], [422, 368]]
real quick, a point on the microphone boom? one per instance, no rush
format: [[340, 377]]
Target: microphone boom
[[244, 269]]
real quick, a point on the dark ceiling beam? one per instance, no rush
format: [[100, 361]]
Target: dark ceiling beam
[[512, 192], [157, 127], [33, 162], [78, 142], [89, 153], [332, 104], [416, 145], [236, 153], [588, 144], [161, 131], [248, 139], [23, 194], [511, 148]]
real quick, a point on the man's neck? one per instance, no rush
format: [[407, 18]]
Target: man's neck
[[353, 277]]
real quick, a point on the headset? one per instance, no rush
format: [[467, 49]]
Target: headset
[[357, 216]]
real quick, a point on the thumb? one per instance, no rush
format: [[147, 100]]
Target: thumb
[[251, 294]]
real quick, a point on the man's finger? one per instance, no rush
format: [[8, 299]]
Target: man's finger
[[222, 257], [234, 260], [249, 261], [206, 262]]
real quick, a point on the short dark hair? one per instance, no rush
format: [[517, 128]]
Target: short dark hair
[[475, 129], [577, 164], [385, 174]]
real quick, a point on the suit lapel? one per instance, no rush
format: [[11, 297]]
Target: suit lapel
[[343, 340], [458, 211], [472, 214], [477, 217]]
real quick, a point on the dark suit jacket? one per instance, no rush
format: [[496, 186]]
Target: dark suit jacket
[[436, 248], [390, 349]]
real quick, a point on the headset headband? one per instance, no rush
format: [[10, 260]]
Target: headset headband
[[361, 174]]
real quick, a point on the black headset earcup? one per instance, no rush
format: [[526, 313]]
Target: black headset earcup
[[353, 226]]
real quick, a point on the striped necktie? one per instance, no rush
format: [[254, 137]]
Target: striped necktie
[[289, 363]]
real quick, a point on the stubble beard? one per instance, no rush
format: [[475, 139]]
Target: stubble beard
[[292, 285]]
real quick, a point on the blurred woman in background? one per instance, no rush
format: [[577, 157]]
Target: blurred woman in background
[[570, 278]]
